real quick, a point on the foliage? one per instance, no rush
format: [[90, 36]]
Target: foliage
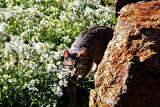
[[29, 74], [109, 2], [33, 34]]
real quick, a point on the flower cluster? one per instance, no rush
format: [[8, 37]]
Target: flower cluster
[[33, 34], [32, 69]]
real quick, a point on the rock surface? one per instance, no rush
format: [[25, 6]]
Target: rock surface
[[129, 73], [120, 3]]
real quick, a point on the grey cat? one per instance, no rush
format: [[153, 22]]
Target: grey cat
[[87, 50]]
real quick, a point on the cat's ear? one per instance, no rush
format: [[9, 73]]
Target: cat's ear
[[84, 52], [66, 54]]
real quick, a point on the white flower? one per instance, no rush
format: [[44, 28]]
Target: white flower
[[97, 12], [61, 83], [44, 22], [50, 67], [32, 9], [63, 16], [77, 3], [37, 46], [60, 75], [59, 63], [11, 80], [32, 65], [39, 0], [34, 81], [2, 26], [5, 76], [56, 55], [8, 15], [57, 90], [6, 49], [72, 16], [33, 89], [88, 11]]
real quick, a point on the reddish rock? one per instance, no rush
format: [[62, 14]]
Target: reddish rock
[[120, 3], [129, 73]]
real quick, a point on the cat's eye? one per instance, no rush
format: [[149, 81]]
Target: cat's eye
[[70, 67]]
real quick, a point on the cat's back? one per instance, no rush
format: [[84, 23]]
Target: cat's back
[[98, 35]]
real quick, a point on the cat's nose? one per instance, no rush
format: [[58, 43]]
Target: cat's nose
[[70, 68], [72, 73]]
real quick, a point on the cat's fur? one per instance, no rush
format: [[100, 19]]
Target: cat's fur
[[87, 49]]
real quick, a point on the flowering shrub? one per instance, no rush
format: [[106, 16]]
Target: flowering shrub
[[29, 74], [33, 34]]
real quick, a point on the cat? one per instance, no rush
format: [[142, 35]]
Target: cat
[[87, 50]]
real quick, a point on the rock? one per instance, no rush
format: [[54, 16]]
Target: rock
[[129, 73], [120, 3]]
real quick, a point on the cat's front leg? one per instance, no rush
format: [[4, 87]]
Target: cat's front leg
[[94, 67]]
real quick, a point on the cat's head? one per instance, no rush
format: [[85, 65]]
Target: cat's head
[[78, 64]]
